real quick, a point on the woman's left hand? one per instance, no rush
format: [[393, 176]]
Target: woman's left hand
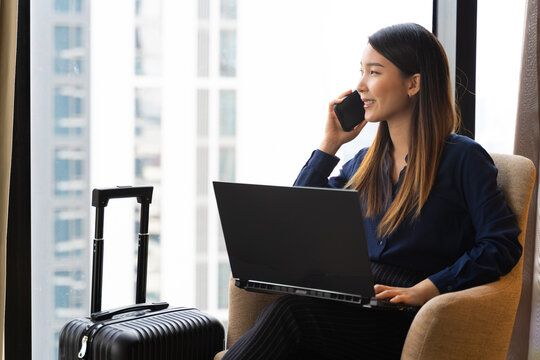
[[417, 295]]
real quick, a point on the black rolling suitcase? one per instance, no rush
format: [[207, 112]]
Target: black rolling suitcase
[[143, 330]]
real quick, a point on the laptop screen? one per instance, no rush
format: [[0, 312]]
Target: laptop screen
[[298, 236]]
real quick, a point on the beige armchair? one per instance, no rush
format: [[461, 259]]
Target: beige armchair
[[471, 324]]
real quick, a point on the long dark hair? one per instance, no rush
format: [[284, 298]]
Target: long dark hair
[[413, 50]]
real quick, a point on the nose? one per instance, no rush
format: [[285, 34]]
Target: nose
[[362, 86]]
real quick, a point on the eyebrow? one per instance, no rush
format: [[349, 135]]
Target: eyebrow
[[373, 64]]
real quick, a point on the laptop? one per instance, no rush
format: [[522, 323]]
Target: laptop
[[297, 240]]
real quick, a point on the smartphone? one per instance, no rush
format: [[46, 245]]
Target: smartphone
[[350, 112]]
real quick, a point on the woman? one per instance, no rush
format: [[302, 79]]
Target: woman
[[435, 220]]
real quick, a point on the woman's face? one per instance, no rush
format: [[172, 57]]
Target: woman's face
[[383, 89]]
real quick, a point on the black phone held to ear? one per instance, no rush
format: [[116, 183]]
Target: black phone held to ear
[[350, 112]]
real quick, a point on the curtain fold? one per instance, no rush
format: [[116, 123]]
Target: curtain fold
[[8, 46], [523, 344]]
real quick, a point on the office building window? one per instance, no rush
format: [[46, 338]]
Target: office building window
[[228, 9], [147, 166], [68, 50], [227, 164], [227, 53], [68, 6], [69, 179], [68, 111], [203, 49], [148, 135], [148, 9], [227, 112], [148, 107], [69, 240], [224, 273], [147, 50], [69, 291]]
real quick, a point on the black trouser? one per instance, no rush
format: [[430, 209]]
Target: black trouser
[[297, 327]]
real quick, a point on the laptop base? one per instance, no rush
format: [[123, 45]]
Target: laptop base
[[372, 303], [270, 288]]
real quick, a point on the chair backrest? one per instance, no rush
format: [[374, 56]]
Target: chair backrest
[[516, 179], [478, 322]]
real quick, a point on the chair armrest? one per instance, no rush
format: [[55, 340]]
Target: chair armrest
[[244, 307], [475, 323]]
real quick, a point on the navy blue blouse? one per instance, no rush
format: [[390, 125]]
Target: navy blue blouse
[[465, 235]]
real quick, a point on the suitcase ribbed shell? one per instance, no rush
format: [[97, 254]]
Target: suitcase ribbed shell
[[164, 335]]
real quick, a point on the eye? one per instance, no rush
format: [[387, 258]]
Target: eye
[[373, 72]]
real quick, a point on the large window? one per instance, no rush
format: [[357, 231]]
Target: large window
[[174, 94], [498, 64]]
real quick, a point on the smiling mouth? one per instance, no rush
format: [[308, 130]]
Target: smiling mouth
[[369, 102]]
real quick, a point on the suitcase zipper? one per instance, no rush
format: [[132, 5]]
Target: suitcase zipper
[[82, 352], [88, 336]]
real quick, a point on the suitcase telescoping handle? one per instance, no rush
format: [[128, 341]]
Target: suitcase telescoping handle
[[100, 199]]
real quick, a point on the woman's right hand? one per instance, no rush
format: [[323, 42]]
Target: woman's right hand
[[334, 135]]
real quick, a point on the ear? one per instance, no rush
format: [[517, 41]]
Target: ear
[[414, 85]]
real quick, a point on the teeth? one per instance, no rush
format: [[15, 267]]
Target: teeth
[[369, 102]]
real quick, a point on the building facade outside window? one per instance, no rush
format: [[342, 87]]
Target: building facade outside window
[[211, 93]]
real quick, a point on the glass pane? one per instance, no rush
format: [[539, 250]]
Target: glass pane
[[227, 52], [496, 108], [150, 9], [67, 6], [227, 112], [68, 117], [147, 50], [228, 9], [68, 172], [68, 40], [148, 106], [227, 164], [61, 6]]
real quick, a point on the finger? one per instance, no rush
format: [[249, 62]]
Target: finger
[[399, 299], [339, 98], [344, 94], [388, 294], [378, 288]]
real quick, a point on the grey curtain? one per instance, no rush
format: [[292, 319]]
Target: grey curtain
[[527, 140], [8, 46]]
